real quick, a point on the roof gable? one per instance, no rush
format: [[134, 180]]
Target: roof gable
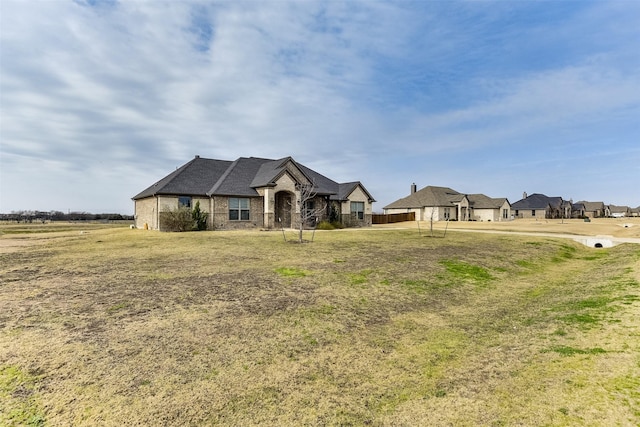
[[347, 188], [271, 170]]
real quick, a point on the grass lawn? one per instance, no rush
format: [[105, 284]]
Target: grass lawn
[[112, 326]]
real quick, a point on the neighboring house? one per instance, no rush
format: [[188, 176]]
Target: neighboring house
[[540, 206], [578, 210], [252, 192], [614, 211], [484, 208], [635, 211], [593, 209], [443, 203]]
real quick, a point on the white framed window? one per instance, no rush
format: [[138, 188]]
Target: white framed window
[[238, 209]]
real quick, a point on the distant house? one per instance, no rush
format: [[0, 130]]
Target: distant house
[[252, 192], [593, 209], [484, 208], [614, 211], [443, 203], [540, 206], [578, 210], [635, 211]]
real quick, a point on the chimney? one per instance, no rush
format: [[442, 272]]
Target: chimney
[[524, 195], [197, 156], [413, 188]]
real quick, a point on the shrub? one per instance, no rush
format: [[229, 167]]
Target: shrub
[[325, 225], [199, 218], [179, 219], [183, 219]]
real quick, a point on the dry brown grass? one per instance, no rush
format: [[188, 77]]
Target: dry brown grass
[[615, 227], [127, 327]]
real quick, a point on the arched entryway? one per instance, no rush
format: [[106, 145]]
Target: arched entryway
[[284, 208]]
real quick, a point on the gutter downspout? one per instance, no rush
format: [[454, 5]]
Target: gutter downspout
[[211, 225]]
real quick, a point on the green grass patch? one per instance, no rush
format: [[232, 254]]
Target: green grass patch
[[564, 252], [291, 272], [629, 299], [628, 388], [466, 272], [580, 319], [571, 351], [525, 263], [596, 303], [20, 404], [419, 285], [360, 277]]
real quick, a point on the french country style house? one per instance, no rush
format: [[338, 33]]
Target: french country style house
[[444, 204], [253, 192], [593, 209]]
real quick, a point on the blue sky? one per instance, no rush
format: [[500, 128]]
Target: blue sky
[[99, 99]]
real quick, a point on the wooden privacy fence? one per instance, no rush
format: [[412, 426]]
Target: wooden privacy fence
[[391, 218]]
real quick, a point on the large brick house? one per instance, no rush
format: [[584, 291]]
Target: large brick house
[[540, 206], [252, 192]]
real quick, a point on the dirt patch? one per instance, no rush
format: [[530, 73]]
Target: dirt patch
[[8, 245]]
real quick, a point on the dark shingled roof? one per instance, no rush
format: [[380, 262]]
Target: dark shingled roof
[[194, 178], [618, 209], [480, 201], [323, 185], [537, 201], [444, 197], [592, 206], [237, 180], [428, 196], [208, 177]]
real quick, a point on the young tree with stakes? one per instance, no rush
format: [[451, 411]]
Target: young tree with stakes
[[309, 209]]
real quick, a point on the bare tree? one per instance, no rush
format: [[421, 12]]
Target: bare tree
[[433, 213], [310, 206]]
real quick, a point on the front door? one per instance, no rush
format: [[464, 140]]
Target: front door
[[284, 203]]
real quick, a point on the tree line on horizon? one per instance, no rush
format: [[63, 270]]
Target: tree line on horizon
[[45, 216]]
